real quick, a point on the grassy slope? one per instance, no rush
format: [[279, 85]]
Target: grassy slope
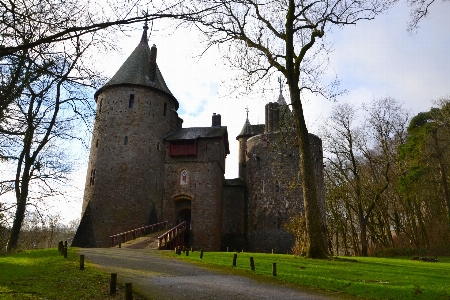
[[367, 277], [46, 274]]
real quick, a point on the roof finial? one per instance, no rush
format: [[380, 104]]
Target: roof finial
[[144, 39], [246, 109]]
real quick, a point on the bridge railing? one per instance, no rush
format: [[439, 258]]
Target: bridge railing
[[172, 238], [135, 233]]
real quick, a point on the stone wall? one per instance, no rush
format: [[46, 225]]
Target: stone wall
[[124, 183], [234, 215], [202, 192], [274, 188]]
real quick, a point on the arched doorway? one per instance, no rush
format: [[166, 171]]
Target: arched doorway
[[184, 215]]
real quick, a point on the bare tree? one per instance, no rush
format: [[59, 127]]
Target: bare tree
[[264, 37], [420, 9], [362, 156]]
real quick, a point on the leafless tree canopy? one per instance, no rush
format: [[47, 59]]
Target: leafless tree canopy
[[420, 9]]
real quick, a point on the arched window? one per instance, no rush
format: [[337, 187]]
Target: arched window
[[125, 142]]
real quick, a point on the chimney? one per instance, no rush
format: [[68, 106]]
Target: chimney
[[152, 71], [216, 120]]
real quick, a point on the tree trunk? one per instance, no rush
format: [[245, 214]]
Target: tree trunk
[[363, 230], [316, 247]]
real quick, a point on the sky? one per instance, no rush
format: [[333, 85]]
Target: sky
[[373, 59]]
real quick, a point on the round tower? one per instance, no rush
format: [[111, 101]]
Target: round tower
[[124, 183]]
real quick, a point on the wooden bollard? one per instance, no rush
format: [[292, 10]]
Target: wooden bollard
[[120, 245], [234, 259], [113, 284], [201, 254], [252, 264], [82, 262], [227, 249], [187, 251], [274, 269], [272, 251], [176, 250], [65, 251], [65, 243], [128, 291], [192, 249], [60, 243]]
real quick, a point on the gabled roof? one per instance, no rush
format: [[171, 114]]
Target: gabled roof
[[194, 133], [135, 70], [197, 132]]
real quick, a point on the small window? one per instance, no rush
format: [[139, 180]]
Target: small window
[[131, 101], [277, 187], [92, 179], [96, 143], [157, 147], [165, 109], [125, 142]]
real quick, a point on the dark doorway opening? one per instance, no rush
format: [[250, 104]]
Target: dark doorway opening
[[184, 215]]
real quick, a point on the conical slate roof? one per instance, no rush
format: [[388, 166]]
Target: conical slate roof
[[136, 70], [250, 130]]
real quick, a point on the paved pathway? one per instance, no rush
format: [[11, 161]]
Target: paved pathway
[[157, 277]]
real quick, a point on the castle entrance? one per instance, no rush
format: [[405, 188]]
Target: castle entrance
[[184, 215]]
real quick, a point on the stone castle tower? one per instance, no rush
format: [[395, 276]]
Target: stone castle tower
[[124, 182], [144, 167]]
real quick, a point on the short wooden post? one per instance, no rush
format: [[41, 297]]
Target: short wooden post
[[82, 262], [192, 249], [65, 251], [113, 284], [120, 245], [234, 259], [128, 291], [65, 244], [252, 264], [227, 249], [60, 243], [274, 269], [201, 254], [272, 251], [176, 250], [187, 251]]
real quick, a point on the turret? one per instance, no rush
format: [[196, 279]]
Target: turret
[[124, 182]]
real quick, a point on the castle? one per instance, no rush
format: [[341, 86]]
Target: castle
[[144, 167]]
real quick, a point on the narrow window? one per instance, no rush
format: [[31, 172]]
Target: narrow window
[[125, 142], [96, 144], [277, 187], [92, 178], [165, 109], [157, 147], [131, 102]]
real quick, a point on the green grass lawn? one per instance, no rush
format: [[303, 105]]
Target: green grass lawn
[[366, 277], [46, 274]]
